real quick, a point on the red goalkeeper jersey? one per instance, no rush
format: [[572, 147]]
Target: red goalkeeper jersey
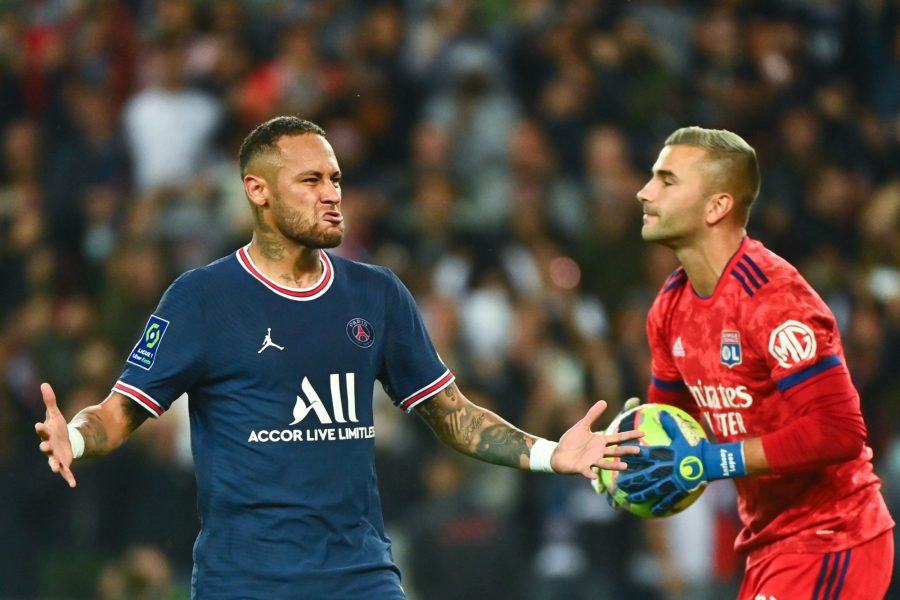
[[746, 361]]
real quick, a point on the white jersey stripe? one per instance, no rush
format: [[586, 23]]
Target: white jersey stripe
[[300, 294], [428, 391]]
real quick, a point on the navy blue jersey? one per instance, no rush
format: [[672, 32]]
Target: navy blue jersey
[[280, 385]]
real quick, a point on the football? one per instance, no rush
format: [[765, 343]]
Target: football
[[645, 418]]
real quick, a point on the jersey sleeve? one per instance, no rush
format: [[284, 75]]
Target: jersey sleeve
[[167, 359], [804, 355], [827, 426], [797, 335], [411, 371]]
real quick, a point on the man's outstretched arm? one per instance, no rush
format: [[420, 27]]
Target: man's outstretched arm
[[482, 434], [102, 428]]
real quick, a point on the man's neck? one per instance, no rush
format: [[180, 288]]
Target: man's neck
[[705, 262], [284, 262]]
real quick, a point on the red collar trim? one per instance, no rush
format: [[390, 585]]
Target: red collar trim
[[302, 294]]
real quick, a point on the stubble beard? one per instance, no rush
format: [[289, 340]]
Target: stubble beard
[[649, 234], [306, 231], [658, 235]]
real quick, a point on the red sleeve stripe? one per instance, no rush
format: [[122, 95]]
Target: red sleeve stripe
[[140, 397], [319, 288], [428, 391]]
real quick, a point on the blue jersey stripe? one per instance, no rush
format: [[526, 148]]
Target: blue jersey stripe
[[832, 575], [840, 583], [676, 282], [811, 371], [822, 572], [756, 268], [676, 273], [749, 275], [737, 276], [669, 386]]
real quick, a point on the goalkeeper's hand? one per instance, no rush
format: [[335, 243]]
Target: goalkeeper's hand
[[598, 483], [674, 471]]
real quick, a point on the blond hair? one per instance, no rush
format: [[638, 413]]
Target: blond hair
[[732, 161]]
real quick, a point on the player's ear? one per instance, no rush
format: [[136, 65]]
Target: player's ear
[[719, 206], [256, 189]]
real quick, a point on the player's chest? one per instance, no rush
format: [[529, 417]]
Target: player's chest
[[726, 376], [712, 342], [280, 338]]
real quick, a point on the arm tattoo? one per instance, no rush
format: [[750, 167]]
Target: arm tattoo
[[475, 431], [473, 426], [435, 414], [94, 433], [94, 429], [503, 445], [135, 415]]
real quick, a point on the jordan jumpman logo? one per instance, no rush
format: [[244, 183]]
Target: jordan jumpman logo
[[268, 342]]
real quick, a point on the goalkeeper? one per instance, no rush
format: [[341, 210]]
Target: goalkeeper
[[739, 339]]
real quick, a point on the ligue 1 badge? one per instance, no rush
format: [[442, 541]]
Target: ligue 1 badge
[[730, 353], [144, 353]]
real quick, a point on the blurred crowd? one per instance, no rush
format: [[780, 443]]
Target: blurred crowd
[[491, 153]]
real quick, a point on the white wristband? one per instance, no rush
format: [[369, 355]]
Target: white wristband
[[77, 441], [539, 459]]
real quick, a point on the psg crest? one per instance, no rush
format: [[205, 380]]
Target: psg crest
[[730, 353], [361, 332]]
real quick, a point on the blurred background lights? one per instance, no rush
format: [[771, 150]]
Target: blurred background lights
[[565, 273]]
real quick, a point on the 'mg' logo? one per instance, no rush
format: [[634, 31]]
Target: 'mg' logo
[[691, 468], [152, 336]]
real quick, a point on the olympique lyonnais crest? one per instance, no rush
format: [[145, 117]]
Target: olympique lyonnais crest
[[361, 332], [730, 353]]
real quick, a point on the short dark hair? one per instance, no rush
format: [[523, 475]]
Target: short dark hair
[[266, 135]]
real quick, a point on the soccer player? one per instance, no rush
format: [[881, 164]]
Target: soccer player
[[741, 340], [278, 347]]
